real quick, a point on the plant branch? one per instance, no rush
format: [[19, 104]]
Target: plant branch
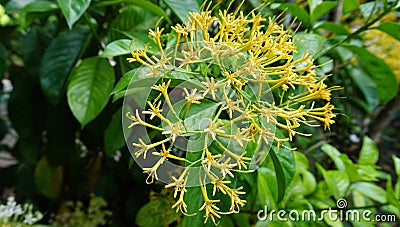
[[356, 33]]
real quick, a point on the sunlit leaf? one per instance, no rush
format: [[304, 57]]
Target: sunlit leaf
[[89, 88], [369, 153], [369, 8], [73, 9], [267, 187], [391, 28], [349, 6], [321, 8], [337, 181], [370, 190], [124, 46], [334, 154], [308, 43], [182, 7]]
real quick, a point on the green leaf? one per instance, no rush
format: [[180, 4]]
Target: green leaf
[[338, 29], [349, 6], [369, 153], [391, 28], [89, 88], [390, 194], [396, 161], [301, 161], [73, 10], [48, 179], [368, 172], [334, 154], [35, 10], [161, 213], [369, 8], [366, 85], [321, 8], [312, 4], [309, 182], [267, 187], [118, 47], [381, 73], [280, 176], [182, 7], [370, 190], [351, 169], [15, 6], [198, 112], [194, 199], [333, 221], [307, 42], [241, 220], [337, 181], [124, 81], [227, 221], [286, 158], [58, 60], [131, 22], [294, 10], [124, 46], [113, 136], [145, 4]]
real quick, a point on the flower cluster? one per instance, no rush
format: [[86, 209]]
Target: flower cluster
[[12, 213], [245, 80]]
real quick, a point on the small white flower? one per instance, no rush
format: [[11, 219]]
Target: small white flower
[[29, 219], [9, 212], [18, 210]]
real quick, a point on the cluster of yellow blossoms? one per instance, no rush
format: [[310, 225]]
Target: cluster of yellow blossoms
[[242, 63]]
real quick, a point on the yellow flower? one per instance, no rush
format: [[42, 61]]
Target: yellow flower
[[209, 206], [247, 71], [213, 129]]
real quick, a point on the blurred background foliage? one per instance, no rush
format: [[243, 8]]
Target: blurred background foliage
[[64, 71]]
